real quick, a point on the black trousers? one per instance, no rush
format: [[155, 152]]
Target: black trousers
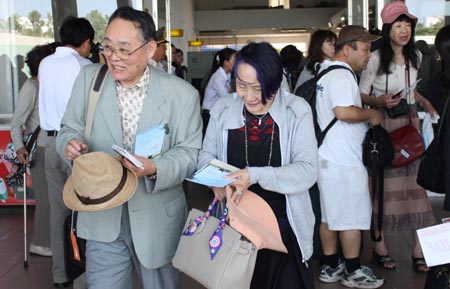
[[276, 270]]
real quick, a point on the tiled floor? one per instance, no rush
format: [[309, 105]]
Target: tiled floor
[[13, 275]]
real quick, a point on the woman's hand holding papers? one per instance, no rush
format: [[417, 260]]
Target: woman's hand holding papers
[[242, 180]]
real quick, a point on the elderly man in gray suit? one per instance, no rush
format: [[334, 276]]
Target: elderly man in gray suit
[[144, 232]]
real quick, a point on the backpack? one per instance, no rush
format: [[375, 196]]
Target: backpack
[[308, 91]]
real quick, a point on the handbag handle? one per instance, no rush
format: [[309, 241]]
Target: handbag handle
[[30, 142], [194, 225], [407, 82], [215, 242], [408, 93]]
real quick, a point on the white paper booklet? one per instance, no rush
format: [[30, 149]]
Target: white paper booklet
[[407, 89], [123, 152], [149, 143], [435, 243], [213, 174]]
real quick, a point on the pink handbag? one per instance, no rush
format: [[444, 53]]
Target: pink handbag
[[251, 216]]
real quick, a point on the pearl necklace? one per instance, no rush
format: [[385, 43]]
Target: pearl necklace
[[246, 137]]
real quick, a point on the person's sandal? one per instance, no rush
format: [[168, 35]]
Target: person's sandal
[[384, 261], [420, 265]]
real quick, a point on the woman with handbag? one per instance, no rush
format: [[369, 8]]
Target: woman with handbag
[[393, 67], [26, 115], [268, 133]]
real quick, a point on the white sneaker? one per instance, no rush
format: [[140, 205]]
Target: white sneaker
[[362, 278], [42, 251], [330, 275]]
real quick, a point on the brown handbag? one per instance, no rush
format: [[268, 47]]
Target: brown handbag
[[408, 145]]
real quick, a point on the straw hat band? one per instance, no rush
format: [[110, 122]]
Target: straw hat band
[[89, 201]]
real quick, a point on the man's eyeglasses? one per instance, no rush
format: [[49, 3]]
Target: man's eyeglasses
[[123, 54]]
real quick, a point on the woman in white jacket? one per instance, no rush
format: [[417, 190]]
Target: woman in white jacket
[[268, 133]]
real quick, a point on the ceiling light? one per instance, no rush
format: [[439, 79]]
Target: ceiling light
[[195, 43], [176, 32]]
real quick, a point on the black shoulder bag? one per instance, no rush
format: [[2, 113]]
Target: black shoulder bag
[[377, 154], [431, 170]]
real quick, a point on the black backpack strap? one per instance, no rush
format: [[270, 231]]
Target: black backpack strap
[[322, 135], [334, 120], [333, 67]]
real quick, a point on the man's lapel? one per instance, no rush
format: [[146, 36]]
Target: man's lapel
[[152, 109]]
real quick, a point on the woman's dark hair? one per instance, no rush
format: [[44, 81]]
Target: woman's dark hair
[[291, 58], [141, 20], [74, 31], [267, 63], [218, 60], [442, 45], [315, 53], [35, 56], [409, 50], [54, 45], [220, 57]]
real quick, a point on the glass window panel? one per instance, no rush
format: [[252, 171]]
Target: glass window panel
[[98, 12], [431, 17], [23, 25]]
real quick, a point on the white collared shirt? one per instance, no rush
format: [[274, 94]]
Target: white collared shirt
[[156, 64], [57, 74], [218, 85]]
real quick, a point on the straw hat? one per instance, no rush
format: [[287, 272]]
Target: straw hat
[[98, 182]]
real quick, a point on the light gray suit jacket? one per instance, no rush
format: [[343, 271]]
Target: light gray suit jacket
[[157, 210]]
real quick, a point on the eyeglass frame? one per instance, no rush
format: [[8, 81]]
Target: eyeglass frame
[[115, 50]]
